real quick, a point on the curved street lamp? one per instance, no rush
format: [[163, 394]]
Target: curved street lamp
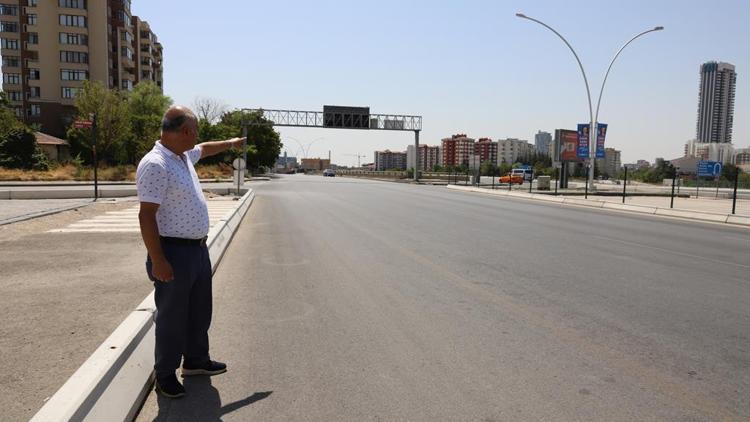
[[305, 150], [594, 128]]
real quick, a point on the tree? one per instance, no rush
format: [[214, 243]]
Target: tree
[[263, 141], [113, 126], [209, 109], [18, 149], [488, 168], [146, 106]]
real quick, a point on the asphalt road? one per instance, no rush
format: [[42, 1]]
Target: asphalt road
[[352, 300]]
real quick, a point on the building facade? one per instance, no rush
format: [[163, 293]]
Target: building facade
[[49, 47], [611, 164], [712, 151], [456, 150], [390, 160], [315, 164], [716, 103], [510, 150], [542, 142], [429, 157], [486, 150]]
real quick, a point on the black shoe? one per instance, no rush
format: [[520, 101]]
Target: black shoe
[[209, 368], [170, 387]]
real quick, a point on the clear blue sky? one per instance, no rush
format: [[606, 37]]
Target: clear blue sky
[[466, 66]]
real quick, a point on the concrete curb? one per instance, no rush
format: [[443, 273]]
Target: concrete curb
[[113, 382], [44, 213], [76, 192], [641, 209]]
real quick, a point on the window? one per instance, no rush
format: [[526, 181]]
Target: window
[[11, 61], [12, 78], [6, 26], [14, 95], [68, 92], [146, 61], [34, 74], [127, 37], [126, 52], [74, 57], [31, 3], [19, 112], [35, 110], [72, 4], [74, 39], [73, 20], [73, 75], [31, 19], [35, 92], [8, 10], [33, 38], [145, 34], [9, 43], [124, 18], [126, 84]]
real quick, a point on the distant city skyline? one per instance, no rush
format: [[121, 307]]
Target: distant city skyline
[[498, 77]]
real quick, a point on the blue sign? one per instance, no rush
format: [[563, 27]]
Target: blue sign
[[709, 168], [601, 128], [582, 151]]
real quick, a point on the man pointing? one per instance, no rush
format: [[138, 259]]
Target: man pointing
[[174, 223]]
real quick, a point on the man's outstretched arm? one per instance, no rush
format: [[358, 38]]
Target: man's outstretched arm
[[212, 148]]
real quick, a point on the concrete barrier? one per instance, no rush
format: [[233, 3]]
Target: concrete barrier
[[584, 202], [692, 215], [4, 194], [738, 219], [114, 380], [628, 207]]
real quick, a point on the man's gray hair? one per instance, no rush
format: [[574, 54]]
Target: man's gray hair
[[175, 123]]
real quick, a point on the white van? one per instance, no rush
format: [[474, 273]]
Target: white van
[[526, 173]]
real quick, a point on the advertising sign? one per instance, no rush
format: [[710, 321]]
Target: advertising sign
[[601, 130], [582, 151], [82, 124], [709, 168], [568, 142]]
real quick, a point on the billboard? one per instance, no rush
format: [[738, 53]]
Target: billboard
[[567, 142], [601, 129], [582, 149], [346, 117]]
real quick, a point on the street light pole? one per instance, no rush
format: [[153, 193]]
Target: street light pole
[[594, 127]]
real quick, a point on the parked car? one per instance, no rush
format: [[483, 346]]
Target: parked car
[[329, 173], [516, 179]]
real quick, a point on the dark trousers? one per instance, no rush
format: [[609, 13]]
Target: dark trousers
[[183, 308]]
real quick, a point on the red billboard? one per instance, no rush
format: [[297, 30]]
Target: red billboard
[[567, 144]]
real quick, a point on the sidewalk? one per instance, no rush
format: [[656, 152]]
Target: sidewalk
[[54, 190], [702, 209]]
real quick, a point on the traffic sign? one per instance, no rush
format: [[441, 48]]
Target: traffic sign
[[238, 164], [709, 168], [83, 124]]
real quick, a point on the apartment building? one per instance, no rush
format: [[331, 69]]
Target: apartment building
[[429, 157], [49, 47], [486, 150], [611, 164], [390, 160], [457, 149], [510, 150]]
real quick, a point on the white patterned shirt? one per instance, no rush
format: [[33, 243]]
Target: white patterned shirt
[[169, 180]]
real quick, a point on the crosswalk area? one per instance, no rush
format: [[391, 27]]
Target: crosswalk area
[[126, 221]]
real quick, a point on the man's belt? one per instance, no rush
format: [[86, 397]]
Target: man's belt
[[182, 241]]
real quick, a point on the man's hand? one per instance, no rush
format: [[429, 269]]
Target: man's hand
[[212, 148], [237, 142], [162, 270]]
